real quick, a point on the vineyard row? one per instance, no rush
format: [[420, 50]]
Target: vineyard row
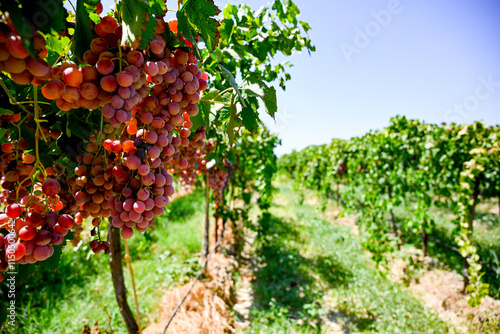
[[450, 167]]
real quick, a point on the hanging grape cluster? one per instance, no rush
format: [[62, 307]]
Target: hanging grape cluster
[[146, 98]]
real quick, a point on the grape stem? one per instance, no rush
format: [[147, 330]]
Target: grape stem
[[72, 5], [37, 132], [99, 136], [35, 102], [221, 93], [36, 119], [121, 56], [12, 99], [26, 102], [19, 130], [6, 224], [220, 102]]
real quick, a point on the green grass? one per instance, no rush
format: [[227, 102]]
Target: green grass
[[304, 258], [303, 261], [81, 291]]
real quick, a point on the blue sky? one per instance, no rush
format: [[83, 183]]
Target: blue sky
[[433, 60]]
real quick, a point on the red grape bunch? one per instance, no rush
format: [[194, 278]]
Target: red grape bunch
[[217, 180], [35, 223], [146, 98], [190, 160], [15, 60]]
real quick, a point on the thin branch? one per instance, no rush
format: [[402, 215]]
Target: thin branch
[[72, 6], [64, 52], [221, 93], [220, 102], [12, 99]]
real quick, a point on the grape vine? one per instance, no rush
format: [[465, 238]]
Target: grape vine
[[108, 111], [451, 166]]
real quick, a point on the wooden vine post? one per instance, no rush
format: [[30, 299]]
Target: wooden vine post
[[116, 266], [216, 228], [206, 225]]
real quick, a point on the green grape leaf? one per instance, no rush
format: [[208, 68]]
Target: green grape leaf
[[3, 132], [57, 44], [199, 119], [149, 32], [95, 17], [232, 81], [183, 26], [270, 101], [203, 116], [185, 30], [69, 236], [24, 272], [92, 2], [48, 17], [223, 114], [138, 23], [198, 14], [171, 39], [83, 30], [233, 121], [265, 93], [202, 119], [216, 111], [305, 26], [231, 157], [158, 7], [249, 117]]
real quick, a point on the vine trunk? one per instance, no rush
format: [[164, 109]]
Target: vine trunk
[[116, 266]]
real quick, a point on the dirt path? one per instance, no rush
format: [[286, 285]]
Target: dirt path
[[244, 292], [440, 289], [206, 309], [306, 273]]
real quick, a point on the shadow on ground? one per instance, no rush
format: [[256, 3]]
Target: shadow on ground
[[287, 282]]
